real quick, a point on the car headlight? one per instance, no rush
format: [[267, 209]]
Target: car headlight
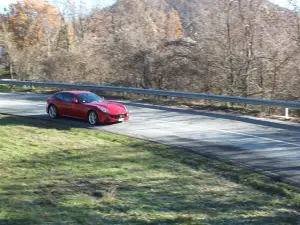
[[103, 109]]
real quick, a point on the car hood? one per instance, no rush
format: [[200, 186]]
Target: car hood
[[113, 107]]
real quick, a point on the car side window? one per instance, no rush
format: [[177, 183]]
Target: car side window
[[59, 96], [68, 97]]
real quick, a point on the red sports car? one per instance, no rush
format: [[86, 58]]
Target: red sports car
[[85, 105]]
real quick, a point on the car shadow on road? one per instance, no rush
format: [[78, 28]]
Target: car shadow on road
[[34, 121], [249, 120], [43, 121]]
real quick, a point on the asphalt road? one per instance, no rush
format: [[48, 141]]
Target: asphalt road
[[267, 146]]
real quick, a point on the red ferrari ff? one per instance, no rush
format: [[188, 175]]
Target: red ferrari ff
[[85, 105]]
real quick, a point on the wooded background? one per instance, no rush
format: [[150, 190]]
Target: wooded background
[[245, 48]]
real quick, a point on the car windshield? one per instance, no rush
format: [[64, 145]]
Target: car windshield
[[89, 97]]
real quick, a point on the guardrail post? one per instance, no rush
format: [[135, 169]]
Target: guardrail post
[[287, 114]]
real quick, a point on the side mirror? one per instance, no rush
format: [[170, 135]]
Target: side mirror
[[74, 101]]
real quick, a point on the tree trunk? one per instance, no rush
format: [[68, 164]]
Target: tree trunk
[[11, 69]]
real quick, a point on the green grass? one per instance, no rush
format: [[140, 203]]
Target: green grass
[[4, 88], [14, 88], [3, 72], [57, 174]]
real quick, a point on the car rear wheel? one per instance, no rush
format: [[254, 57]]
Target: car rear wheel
[[93, 118], [53, 112]]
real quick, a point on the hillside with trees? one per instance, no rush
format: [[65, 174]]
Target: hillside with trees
[[244, 47]]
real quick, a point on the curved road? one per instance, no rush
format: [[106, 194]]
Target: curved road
[[267, 146]]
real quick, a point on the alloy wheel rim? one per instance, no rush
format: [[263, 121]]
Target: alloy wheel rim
[[52, 112], [92, 118]]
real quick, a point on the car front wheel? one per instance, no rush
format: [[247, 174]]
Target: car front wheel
[[93, 118], [53, 112]]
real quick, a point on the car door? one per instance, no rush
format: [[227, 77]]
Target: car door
[[59, 103], [73, 107], [78, 108], [68, 106]]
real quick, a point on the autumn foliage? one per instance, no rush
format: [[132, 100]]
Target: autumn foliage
[[175, 29], [244, 47]]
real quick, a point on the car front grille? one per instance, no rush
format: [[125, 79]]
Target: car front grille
[[118, 116]]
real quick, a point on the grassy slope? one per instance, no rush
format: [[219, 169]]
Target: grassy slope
[[55, 174]]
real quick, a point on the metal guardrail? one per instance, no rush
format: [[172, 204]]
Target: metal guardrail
[[189, 95]]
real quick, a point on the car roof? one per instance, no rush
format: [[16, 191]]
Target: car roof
[[74, 92]]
